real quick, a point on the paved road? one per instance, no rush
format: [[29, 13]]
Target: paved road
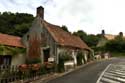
[[114, 73], [88, 74]]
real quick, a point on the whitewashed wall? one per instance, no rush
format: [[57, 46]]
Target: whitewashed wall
[[18, 59]]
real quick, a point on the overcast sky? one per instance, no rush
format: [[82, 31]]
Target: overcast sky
[[89, 15]]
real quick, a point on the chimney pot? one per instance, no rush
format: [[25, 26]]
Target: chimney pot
[[40, 12]]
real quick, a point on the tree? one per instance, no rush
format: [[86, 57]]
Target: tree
[[116, 45], [65, 28], [15, 23], [81, 34], [119, 36], [91, 40], [21, 29]]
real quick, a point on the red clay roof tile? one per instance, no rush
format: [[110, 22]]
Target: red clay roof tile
[[10, 40], [64, 38]]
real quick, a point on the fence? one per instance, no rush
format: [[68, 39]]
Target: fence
[[13, 73]]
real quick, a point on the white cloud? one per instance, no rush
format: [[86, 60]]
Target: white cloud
[[71, 13], [89, 15]]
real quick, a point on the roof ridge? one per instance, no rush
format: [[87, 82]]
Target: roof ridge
[[59, 27], [65, 38]]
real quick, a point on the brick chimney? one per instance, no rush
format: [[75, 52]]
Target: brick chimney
[[40, 12]]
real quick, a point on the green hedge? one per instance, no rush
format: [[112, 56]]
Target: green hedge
[[61, 64], [80, 57], [117, 54], [63, 57], [34, 61]]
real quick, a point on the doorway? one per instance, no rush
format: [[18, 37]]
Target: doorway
[[46, 53]]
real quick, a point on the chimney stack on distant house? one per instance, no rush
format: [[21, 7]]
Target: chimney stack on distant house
[[103, 32], [121, 34], [40, 12]]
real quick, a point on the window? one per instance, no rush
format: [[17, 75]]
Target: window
[[5, 60], [1, 59], [27, 37]]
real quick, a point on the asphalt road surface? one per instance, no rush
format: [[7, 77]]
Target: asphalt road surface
[[87, 74]]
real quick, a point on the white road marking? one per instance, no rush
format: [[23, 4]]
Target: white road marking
[[109, 80], [122, 76], [117, 73], [98, 81], [114, 77], [113, 73]]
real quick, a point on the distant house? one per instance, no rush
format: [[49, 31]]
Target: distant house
[[51, 40], [105, 38], [110, 36], [10, 50]]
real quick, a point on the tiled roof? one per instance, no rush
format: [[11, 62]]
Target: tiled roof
[[10, 40], [65, 38]]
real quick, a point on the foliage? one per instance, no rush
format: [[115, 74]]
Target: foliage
[[8, 50], [65, 28], [91, 40], [33, 61], [80, 57], [15, 23], [81, 34], [98, 49], [61, 64], [43, 70], [115, 46], [64, 56], [21, 29], [118, 54], [119, 37], [102, 42]]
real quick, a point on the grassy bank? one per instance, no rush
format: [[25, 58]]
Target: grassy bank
[[118, 54]]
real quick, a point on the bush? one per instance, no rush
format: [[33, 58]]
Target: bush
[[63, 57], [115, 46], [61, 64], [118, 54], [43, 70], [79, 58], [66, 57], [34, 61], [97, 49]]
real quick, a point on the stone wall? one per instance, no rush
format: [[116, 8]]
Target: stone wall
[[39, 29]]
